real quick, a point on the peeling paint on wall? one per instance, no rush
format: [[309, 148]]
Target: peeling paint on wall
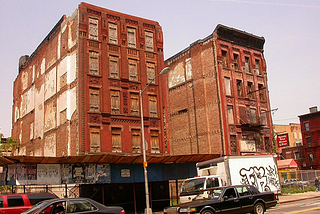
[[61, 106], [24, 80], [50, 84], [50, 116], [72, 67], [177, 75], [43, 66], [50, 145], [39, 113]]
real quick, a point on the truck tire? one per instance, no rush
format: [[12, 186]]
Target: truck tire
[[207, 212], [258, 208]]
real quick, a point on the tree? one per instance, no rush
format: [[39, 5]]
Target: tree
[[9, 145]]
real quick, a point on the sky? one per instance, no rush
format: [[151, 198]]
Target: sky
[[291, 29]]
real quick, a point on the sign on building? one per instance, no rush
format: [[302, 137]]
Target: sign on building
[[283, 140]]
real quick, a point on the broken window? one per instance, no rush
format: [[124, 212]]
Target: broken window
[[247, 64], [224, 58], [154, 141], [153, 111], [250, 90], [149, 41], [94, 63], [133, 70], [114, 66], [311, 159], [236, 62], [131, 34], [239, 88], [253, 115], [116, 139], [94, 100], [134, 99], [113, 33], [227, 85], [94, 139], [136, 140], [151, 72], [230, 114], [233, 145], [261, 92], [257, 66], [115, 102], [93, 29]]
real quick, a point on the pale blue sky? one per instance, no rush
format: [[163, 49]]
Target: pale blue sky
[[291, 29]]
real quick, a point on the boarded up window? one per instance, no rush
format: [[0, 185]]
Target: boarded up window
[[133, 70], [236, 62], [114, 66], [63, 80], [247, 64], [224, 58], [253, 116], [233, 144], [250, 90], [239, 88], [261, 92], [116, 139], [134, 101], [257, 66], [153, 111], [154, 141], [94, 100], [151, 72], [95, 140], [93, 29], [149, 41], [131, 37], [227, 85], [113, 33], [230, 115], [115, 102], [136, 141], [94, 63]]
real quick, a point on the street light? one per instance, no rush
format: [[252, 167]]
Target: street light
[[148, 210]]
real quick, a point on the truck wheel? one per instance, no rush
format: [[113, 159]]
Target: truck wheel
[[258, 208], [207, 212]]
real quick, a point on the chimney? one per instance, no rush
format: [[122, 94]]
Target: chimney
[[313, 109], [22, 61]]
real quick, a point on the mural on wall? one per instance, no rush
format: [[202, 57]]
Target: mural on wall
[[103, 173], [48, 174], [263, 178]]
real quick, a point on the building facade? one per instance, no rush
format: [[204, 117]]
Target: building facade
[[218, 98], [293, 133], [78, 92]]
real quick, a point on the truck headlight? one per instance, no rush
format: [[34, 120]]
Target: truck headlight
[[188, 210]]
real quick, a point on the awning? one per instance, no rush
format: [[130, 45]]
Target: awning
[[287, 164]]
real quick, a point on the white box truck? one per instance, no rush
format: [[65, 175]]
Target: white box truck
[[260, 171]]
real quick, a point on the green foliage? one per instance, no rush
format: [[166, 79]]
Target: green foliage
[[9, 145], [296, 189]]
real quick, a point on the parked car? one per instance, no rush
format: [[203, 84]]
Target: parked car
[[17, 203], [73, 205], [229, 199]]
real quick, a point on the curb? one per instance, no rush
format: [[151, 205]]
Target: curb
[[298, 199]]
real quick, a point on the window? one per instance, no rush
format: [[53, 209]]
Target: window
[[243, 191], [15, 201], [116, 139], [134, 104], [113, 33], [1, 201], [93, 63], [309, 143], [233, 144], [263, 117], [115, 102], [212, 182], [230, 193], [136, 141], [247, 64], [151, 72], [311, 159], [230, 114], [133, 70], [236, 61], [261, 92], [297, 155], [149, 41], [153, 110], [94, 100], [76, 206], [94, 139], [114, 66], [253, 115], [257, 66], [154, 141], [131, 33], [250, 90], [239, 88], [306, 126], [224, 58], [227, 86], [93, 29]]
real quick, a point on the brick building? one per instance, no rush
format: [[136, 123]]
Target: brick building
[[218, 100], [78, 92]]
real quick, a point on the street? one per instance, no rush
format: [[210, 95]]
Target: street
[[310, 206]]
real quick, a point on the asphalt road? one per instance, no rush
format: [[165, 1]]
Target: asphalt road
[[310, 206]]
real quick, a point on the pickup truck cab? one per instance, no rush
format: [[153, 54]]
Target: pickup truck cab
[[17, 203]]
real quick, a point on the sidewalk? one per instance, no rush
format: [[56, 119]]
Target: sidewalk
[[297, 197]]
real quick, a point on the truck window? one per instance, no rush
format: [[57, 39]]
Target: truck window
[[192, 185], [15, 201], [212, 182], [1, 202]]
